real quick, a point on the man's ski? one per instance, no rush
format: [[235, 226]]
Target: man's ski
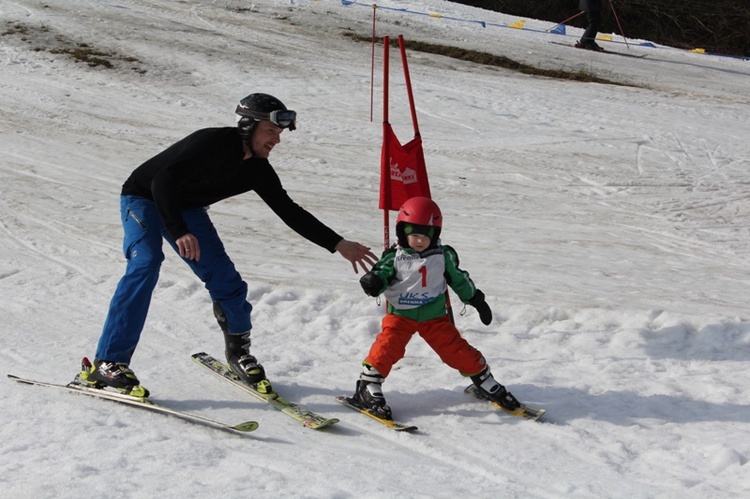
[[143, 403], [604, 51], [525, 411], [393, 425], [304, 416]]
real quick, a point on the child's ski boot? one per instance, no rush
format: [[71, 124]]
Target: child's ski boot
[[494, 391]]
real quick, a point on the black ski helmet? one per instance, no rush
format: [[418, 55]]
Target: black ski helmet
[[260, 107]]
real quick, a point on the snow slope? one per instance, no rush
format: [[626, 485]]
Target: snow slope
[[607, 225]]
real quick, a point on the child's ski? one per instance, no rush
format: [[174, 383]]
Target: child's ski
[[525, 411], [304, 416], [393, 425], [143, 403]]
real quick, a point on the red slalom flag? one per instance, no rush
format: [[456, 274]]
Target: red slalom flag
[[403, 172]]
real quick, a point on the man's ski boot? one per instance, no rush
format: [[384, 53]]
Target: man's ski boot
[[369, 393], [237, 352], [116, 375], [244, 365], [494, 391]]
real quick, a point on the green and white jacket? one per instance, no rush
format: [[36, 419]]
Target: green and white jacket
[[415, 283]]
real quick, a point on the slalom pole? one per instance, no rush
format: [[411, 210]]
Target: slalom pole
[[407, 79], [612, 6], [385, 166], [563, 22], [372, 64]]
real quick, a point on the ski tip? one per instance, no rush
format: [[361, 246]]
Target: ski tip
[[396, 426], [536, 415], [246, 427], [319, 425], [407, 429]]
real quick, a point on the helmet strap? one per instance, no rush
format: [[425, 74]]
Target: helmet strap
[[247, 140]]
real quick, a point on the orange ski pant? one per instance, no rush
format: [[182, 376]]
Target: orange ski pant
[[442, 336]]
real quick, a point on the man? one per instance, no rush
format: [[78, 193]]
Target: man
[[167, 197], [593, 10]]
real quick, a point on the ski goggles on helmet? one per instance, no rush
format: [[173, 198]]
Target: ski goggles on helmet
[[282, 118]]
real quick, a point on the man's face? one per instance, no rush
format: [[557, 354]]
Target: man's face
[[265, 136]]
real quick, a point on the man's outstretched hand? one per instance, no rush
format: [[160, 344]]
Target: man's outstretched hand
[[357, 254]]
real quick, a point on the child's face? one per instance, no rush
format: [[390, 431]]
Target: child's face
[[418, 242]]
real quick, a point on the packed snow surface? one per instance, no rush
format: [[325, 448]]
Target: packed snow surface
[[607, 225]]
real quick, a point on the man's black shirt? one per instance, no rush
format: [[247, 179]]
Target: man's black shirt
[[207, 166]]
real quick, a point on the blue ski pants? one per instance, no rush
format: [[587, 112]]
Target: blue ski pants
[[142, 246]]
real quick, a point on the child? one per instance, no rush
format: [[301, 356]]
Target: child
[[414, 275]]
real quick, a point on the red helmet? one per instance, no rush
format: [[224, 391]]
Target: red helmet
[[421, 212]]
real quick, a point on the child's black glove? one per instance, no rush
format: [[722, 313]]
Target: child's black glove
[[371, 284], [477, 301]]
